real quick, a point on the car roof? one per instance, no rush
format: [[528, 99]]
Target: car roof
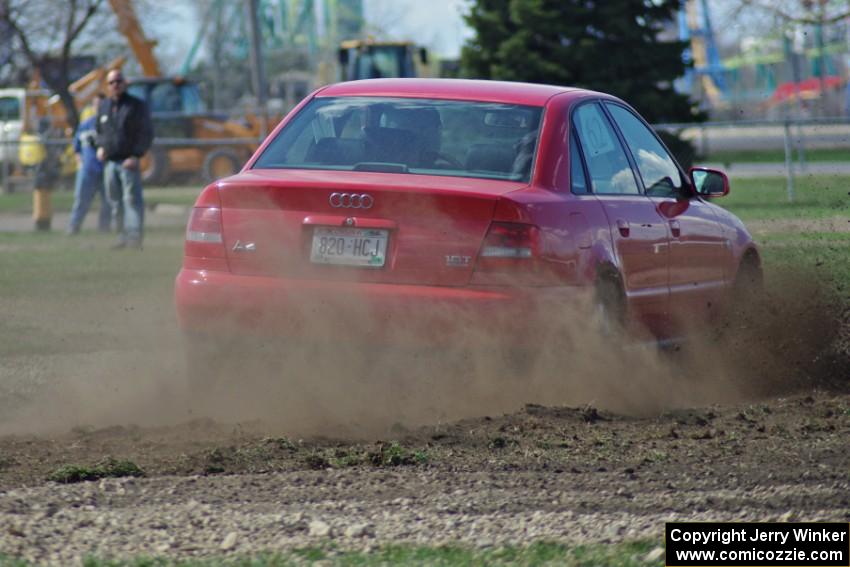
[[450, 89]]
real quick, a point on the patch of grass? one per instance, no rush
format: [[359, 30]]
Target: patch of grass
[[49, 279], [656, 456], [281, 443], [108, 468], [317, 461], [824, 256], [33, 263], [816, 196], [62, 200], [6, 462], [387, 455], [214, 461], [775, 156], [394, 454], [334, 459], [630, 554], [347, 458]]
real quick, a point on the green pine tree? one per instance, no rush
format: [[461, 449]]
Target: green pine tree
[[610, 46]]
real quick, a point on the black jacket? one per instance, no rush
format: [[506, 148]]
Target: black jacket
[[124, 128]]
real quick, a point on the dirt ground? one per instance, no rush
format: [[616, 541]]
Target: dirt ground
[[422, 447]]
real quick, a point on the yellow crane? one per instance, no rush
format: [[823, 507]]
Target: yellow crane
[[129, 26]]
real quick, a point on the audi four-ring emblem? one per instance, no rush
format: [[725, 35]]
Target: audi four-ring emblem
[[351, 201]]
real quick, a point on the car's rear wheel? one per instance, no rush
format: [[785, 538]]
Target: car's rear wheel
[[747, 292], [749, 282], [609, 307]]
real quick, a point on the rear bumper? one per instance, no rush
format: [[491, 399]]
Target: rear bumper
[[224, 303]]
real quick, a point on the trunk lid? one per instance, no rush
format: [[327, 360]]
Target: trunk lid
[[432, 226]]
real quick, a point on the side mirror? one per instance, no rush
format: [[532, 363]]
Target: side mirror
[[709, 183]]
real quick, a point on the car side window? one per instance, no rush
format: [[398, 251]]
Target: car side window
[[578, 179], [609, 168], [661, 176]]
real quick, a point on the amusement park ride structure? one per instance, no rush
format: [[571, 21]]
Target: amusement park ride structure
[[767, 72]]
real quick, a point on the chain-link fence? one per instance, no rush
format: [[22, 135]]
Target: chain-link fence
[[33, 161], [746, 148], [785, 149]]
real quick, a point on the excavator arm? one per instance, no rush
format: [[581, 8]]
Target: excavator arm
[[142, 47]]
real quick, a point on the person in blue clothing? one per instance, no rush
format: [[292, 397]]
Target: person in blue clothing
[[89, 179]]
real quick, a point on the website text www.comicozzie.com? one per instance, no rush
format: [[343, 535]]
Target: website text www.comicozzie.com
[[710, 555], [767, 543]]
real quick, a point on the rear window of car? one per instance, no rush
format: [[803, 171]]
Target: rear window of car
[[404, 135]]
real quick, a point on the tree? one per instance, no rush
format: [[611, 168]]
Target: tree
[[611, 46], [46, 33]]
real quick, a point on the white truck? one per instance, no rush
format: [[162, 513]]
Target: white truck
[[12, 109]]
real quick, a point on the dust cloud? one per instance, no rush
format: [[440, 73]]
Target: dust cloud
[[351, 376]]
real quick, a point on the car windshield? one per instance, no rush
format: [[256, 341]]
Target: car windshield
[[405, 135]]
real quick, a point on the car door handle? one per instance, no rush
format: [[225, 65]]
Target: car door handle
[[675, 229], [623, 227]]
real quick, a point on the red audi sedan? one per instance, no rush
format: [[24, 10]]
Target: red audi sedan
[[383, 203]]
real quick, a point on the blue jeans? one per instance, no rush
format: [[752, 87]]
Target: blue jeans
[[124, 187], [86, 185]]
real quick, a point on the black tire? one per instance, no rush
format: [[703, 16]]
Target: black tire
[[748, 296], [221, 162], [156, 167], [609, 307], [749, 281]]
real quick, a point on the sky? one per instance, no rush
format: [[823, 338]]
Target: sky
[[435, 24]]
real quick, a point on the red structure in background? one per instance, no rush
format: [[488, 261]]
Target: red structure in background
[[809, 89]]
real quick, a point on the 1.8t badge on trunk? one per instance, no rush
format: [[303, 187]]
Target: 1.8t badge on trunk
[[455, 261]]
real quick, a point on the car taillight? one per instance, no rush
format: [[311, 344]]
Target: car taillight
[[509, 249], [204, 233]]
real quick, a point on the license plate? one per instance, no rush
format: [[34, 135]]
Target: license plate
[[365, 247]]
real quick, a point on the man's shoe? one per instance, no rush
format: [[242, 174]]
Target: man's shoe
[[119, 245], [134, 244]]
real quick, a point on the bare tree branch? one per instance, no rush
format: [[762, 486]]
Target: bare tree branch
[[91, 10], [22, 37], [820, 19], [45, 34]]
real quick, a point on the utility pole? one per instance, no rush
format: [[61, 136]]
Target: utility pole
[[824, 99], [819, 12], [793, 51], [257, 73], [217, 52]]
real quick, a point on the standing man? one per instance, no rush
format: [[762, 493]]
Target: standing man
[[89, 180], [124, 134]]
